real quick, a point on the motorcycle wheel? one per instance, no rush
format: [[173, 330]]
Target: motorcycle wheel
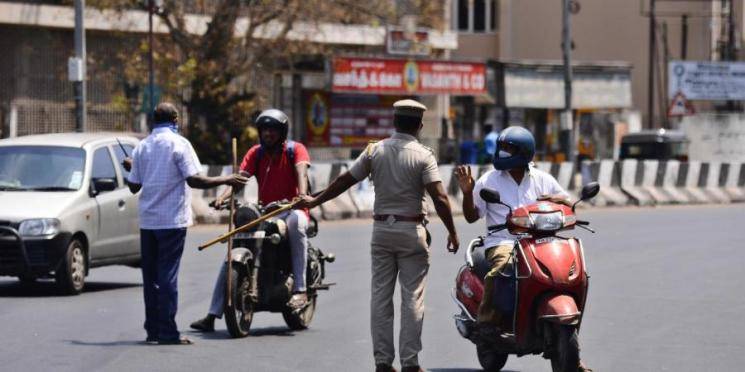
[[300, 321], [490, 359], [240, 313], [566, 355]]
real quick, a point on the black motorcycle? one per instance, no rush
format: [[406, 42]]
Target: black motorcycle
[[261, 272]]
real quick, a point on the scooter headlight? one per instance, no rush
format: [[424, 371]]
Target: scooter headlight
[[524, 222], [548, 221]]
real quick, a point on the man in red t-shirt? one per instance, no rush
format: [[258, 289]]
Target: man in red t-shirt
[[281, 170]]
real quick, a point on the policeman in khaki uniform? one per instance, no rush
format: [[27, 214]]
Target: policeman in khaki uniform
[[401, 169]]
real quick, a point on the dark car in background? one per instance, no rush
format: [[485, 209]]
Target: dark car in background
[[655, 144]]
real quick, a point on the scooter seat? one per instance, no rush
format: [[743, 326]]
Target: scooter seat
[[481, 265]]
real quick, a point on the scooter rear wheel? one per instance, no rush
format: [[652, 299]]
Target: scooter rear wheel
[[491, 360], [240, 313]]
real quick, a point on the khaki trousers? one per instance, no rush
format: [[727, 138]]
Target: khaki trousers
[[498, 258], [398, 250]]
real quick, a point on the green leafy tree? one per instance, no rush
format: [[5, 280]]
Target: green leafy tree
[[222, 72]]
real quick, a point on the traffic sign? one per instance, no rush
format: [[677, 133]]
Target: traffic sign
[[680, 106]]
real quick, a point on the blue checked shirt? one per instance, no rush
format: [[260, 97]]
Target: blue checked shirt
[[161, 163]]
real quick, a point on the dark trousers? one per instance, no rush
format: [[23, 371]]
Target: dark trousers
[[161, 256]]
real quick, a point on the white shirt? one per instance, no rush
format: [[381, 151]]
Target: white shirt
[[534, 184], [161, 163]]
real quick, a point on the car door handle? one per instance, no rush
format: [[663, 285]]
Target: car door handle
[[121, 203]]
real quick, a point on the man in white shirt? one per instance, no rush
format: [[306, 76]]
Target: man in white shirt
[[164, 166], [518, 184]]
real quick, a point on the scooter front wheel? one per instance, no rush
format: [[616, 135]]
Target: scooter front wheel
[[565, 357], [240, 312], [491, 360]]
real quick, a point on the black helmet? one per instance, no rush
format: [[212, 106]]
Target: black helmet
[[273, 118], [520, 138]]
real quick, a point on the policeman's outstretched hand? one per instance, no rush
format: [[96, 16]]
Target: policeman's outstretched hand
[[305, 201], [127, 164], [217, 203], [453, 243], [236, 180], [465, 181]]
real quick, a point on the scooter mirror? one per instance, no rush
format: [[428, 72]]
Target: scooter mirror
[[590, 190], [489, 196]]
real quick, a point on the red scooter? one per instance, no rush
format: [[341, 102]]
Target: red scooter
[[541, 294]]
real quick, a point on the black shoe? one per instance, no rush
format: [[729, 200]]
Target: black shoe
[[384, 368], [151, 341], [412, 369], [206, 324]]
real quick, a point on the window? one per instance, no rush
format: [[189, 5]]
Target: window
[[120, 156], [103, 167], [462, 15], [477, 16]]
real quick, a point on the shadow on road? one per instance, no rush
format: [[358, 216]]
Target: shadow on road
[[461, 370], [48, 288], [254, 332], [109, 343]]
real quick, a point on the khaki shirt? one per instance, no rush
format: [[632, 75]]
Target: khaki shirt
[[399, 167]]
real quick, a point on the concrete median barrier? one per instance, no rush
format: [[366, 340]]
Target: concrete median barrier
[[734, 181], [607, 174], [690, 175], [631, 175], [670, 183], [712, 184]]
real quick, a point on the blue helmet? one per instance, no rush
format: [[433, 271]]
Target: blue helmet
[[520, 138]]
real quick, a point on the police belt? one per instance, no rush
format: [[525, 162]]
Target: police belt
[[395, 217]]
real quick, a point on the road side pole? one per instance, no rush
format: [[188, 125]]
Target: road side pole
[[230, 225]]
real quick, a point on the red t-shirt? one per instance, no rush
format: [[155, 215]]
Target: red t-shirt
[[276, 176]]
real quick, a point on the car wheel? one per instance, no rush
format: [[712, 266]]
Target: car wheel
[[70, 276]]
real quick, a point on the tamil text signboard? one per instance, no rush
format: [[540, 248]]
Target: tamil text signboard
[[707, 81], [407, 77]]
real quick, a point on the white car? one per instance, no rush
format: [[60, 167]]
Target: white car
[[65, 207]]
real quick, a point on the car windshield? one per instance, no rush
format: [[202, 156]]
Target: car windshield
[[41, 168]]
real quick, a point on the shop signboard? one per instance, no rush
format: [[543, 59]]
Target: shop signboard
[[707, 81], [407, 76], [317, 119], [399, 41]]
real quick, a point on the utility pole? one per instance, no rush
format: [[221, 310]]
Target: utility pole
[[684, 37], [566, 37], [650, 66], [76, 68], [151, 84]]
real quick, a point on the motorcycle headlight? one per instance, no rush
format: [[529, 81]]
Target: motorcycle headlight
[[548, 221], [39, 227]]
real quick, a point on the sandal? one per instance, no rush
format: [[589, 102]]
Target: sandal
[[298, 301]]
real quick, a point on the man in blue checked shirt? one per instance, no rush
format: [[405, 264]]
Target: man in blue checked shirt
[[164, 166]]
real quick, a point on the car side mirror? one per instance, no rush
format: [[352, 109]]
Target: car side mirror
[[490, 196], [99, 185]]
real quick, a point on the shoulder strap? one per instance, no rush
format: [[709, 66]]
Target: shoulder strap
[[260, 153], [291, 152]]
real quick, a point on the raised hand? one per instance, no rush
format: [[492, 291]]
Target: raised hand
[[465, 181]]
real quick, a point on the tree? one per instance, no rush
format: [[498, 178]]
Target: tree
[[221, 75]]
